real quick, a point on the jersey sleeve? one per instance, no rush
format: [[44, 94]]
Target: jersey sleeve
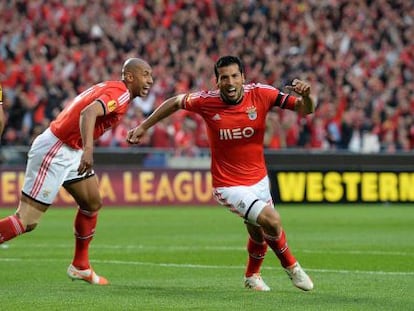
[[191, 101], [273, 97], [113, 99], [108, 103], [285, 101]]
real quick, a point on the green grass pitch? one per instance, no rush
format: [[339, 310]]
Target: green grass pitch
[[360, 257]]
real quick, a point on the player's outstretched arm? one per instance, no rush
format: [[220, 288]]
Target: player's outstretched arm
[[305, 104], [167, 108]]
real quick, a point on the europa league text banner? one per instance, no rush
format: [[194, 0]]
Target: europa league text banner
[[122, 186]]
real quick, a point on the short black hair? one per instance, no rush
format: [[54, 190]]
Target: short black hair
[[227, 61]]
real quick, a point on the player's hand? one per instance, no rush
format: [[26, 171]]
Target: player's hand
[[86, 162], [135, 135], [300, 87]]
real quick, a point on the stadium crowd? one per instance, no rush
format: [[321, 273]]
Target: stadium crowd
[[358, 56]]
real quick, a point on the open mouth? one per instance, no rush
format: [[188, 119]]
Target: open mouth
[[145, 90], [231, 92]]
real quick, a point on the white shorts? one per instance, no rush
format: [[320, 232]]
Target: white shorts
[[50, 164], [246, 201]]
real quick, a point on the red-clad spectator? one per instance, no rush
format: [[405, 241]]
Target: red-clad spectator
[[185, 141], [120, 132], [162, 135], [274, 134]]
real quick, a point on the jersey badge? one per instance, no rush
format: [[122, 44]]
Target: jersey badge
[[251, 112], [111, 105]]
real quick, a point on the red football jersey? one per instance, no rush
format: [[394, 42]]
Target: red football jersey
[[236, 132], [114, 97]]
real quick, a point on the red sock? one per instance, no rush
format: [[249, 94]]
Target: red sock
[[10, 227], [257, 253], [281, 249], [85, 223]]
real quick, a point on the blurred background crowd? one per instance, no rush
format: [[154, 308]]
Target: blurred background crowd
[[358, 56]]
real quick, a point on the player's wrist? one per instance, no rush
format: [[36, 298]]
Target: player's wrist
[[87, 148]]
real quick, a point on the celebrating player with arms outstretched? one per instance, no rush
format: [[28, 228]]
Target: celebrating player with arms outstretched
[[235, 116], [63, 155]]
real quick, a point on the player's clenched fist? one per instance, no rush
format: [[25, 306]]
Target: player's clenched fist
[[300, 87], [134, 136]]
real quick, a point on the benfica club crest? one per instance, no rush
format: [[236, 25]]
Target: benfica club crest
[[251, 112]]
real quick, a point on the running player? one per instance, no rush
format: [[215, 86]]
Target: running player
[[235, 115], [63, 156]]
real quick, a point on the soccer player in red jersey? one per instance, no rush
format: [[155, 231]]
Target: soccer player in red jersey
[[235, 115], [63, 156]]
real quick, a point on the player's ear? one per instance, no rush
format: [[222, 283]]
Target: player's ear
[[128, 77], [243, 79]]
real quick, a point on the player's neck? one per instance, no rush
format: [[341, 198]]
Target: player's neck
[[230, 102]]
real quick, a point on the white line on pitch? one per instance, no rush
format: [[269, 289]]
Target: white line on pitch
[[194, 266], [213, 248]]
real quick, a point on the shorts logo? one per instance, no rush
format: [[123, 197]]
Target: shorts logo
[[241, 205], [111, 105], [251, 113], [45, 193]]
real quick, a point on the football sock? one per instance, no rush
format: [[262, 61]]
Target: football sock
[[10, 227], [257, 253], [85, 223], [281, 249]]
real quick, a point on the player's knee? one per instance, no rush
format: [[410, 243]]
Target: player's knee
[[96, 204], [273, 222], [25, 222], [30, 227], [93, 205], [269, 219], [30, 215]]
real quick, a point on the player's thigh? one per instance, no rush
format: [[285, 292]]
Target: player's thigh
[[262, 190], [240, 200], [47, 165], [86, 193], [246, 201]]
